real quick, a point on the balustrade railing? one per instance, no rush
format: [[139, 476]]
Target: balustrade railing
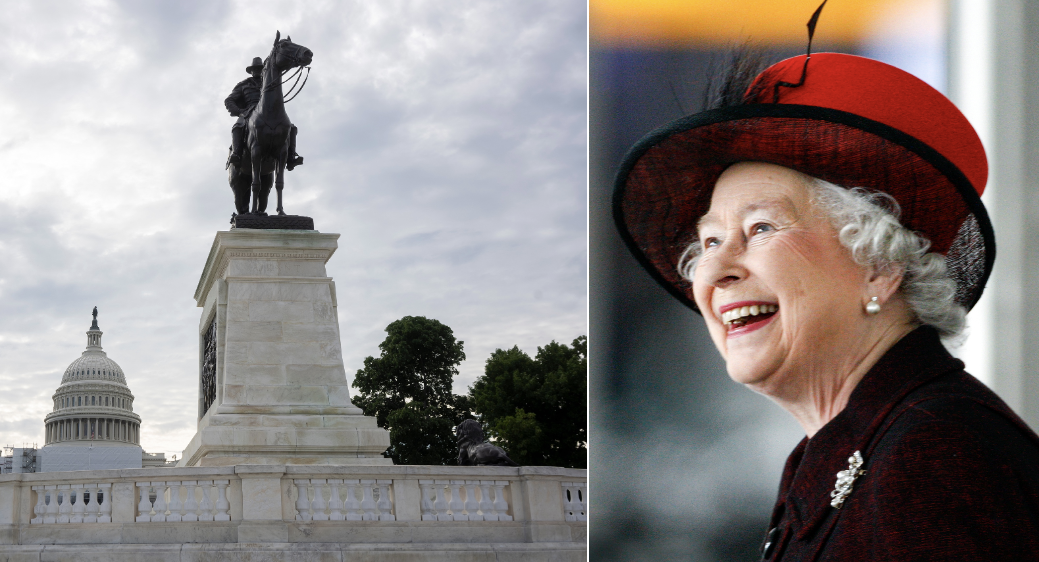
[[183, 500], [294, 495], [333, 499], [72, 503], [464, 500], [575, 501]]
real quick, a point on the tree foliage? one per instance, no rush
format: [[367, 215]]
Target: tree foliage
[[408, 390], [536, 409], [421, 435]]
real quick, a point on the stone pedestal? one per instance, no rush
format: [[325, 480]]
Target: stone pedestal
[[272, 386]]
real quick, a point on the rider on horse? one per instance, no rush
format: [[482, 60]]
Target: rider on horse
[[240, 103]]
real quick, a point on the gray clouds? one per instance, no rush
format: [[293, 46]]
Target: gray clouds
[[445, 141]]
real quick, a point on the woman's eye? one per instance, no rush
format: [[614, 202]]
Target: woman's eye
[[760, 228], [711, 242]]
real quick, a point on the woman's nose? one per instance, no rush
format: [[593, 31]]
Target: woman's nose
[[724, 266]]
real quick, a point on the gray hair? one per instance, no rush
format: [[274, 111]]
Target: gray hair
[[867, 225]]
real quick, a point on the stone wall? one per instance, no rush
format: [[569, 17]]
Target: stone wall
[[448, 512]]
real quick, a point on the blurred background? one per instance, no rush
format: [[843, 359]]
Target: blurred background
[[685, 462]]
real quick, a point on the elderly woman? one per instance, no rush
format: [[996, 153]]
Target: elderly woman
[[826, 221]]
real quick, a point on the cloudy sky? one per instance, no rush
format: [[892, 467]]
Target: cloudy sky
[[445, 142]]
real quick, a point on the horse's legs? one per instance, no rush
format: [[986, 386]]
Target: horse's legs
[[279, 186], [261, 195], [240, 186], [279, 182], [256, 161]]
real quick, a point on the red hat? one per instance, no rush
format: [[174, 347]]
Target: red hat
[[855, 122]]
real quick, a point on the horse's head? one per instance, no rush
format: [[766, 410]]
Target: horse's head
[[287, 54]]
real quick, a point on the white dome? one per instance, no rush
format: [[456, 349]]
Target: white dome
[[94, 365], [93, 404]]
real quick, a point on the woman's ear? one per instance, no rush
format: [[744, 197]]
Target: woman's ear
[[882, 283]]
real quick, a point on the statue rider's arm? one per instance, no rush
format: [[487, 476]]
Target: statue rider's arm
[[231, 103]]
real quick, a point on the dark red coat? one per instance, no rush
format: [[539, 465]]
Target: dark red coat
[[951, 472]]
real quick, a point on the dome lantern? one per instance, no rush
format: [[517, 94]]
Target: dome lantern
[[94, 335]]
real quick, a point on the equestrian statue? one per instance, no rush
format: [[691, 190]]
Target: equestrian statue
[[263, 140]]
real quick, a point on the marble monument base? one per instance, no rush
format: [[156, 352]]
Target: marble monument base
[[272, 385]]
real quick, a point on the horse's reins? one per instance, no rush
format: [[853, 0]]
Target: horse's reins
[[307, 77], [299, 67]]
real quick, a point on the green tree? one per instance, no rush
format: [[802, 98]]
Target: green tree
[[408, 390], [536, 409]]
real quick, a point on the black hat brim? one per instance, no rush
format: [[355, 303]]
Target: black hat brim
[[665, 182]]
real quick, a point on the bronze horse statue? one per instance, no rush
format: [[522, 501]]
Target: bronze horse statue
[[269, 133]]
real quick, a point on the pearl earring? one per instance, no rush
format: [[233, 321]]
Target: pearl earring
[[873, 307]]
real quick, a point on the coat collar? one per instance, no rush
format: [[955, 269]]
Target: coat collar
[[811, 470]]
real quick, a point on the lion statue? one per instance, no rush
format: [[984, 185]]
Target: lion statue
[[474, 450]]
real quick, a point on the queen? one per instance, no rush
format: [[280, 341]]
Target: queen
[[825, 220]]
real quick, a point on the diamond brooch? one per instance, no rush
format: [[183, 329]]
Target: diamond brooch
[[846, 479]]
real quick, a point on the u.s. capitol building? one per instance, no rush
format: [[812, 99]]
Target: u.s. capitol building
[[93, 425]]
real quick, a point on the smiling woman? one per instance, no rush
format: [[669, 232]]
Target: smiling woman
[[767, 246], [831, 299]]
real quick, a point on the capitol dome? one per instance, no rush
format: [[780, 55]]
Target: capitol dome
[[93, 366], [93, 406]]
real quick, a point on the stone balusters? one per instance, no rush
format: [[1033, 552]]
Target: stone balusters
[[383, 506], [64, 503], [352, 505], [330, 496], [575, 501], [77, 506], [364, 500], [318, 505], [160, 504], [58, 504], [222, 506], [335, 505], [41, 505], [189, 508], [205, 508], [46, 508], [368, 501], [176, 505], [73, 503], [144, 507], [464, 500], [105, 502], [183, 500], [303, 511]]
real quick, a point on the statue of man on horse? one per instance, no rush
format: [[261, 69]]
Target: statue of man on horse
[[263, 140], [243, 98]]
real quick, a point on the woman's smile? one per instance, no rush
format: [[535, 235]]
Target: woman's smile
[[746, 316]]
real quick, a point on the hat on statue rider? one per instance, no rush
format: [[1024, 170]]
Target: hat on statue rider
[[257, 63]]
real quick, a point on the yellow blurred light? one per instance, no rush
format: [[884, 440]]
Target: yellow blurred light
[[677, 22]]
